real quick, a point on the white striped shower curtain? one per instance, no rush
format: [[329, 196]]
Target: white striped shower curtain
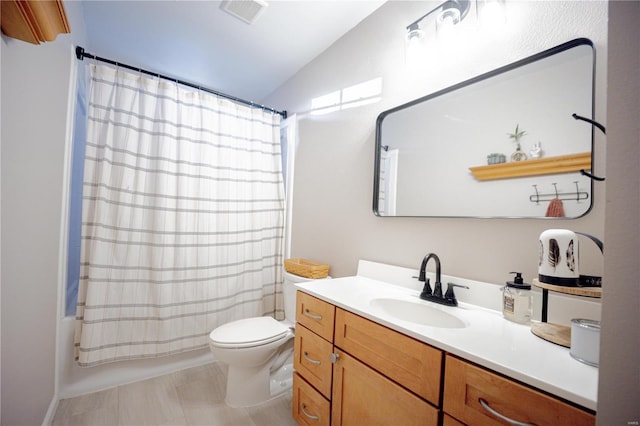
[[182, 221]]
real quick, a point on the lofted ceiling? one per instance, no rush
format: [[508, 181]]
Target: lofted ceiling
[[198, 42]]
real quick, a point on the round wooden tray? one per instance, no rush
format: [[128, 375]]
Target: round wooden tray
[[578, 291], [554, 333]]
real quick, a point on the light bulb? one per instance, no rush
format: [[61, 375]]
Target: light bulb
[[414, 34], [446, 20]]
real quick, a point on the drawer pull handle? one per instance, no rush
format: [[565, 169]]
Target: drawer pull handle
[[312, 316], [311, 360], [486, 406], [312, 417]]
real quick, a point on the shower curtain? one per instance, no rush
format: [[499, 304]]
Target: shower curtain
[[182, 217]]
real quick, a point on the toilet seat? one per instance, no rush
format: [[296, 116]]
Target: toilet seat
[[248, 332]]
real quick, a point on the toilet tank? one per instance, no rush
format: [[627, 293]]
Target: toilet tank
[[289, 291]]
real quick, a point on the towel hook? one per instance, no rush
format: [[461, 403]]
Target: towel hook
[[537, 194], [593, 122], [555, 187], [583, 172]]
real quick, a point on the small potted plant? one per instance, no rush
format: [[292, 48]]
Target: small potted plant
[[519, 154], [496, 158]]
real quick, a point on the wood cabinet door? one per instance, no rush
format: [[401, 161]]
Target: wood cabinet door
[[414, 364], [362, 396], [477, 396]]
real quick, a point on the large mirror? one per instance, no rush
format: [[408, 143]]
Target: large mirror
[[509, 143]]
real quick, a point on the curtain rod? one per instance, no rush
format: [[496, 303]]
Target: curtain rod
[[81, 54]]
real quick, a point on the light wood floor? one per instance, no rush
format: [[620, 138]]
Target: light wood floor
[[190, 397]]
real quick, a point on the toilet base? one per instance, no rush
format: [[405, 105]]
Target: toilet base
[[247, 387]]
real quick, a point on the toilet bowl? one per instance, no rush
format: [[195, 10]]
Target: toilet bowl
[[258, 352]]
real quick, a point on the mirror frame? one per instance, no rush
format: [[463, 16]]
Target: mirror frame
[[517, 64]]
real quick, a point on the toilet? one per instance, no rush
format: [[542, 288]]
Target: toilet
[[258, 352]]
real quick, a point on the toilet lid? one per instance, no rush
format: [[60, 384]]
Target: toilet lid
[[248, 332]]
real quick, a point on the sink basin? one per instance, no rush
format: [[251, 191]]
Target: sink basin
[[417, 312]]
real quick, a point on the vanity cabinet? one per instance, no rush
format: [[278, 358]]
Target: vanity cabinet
[[367, 374], [354, 371], [476, 396]]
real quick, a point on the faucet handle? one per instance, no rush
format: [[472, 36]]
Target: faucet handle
[[450, 295], [437, 289], [426, 290]]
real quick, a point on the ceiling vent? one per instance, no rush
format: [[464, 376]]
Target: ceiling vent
[[246, 10]]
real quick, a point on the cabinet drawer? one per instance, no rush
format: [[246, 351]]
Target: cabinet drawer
[[466, 384], [308, 406], [312, 359], [362, 396], [315, 314], [401, 358]]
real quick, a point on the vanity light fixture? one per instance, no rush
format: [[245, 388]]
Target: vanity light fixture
[[447, 15]]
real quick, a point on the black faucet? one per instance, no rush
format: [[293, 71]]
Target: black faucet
[[436, 296]]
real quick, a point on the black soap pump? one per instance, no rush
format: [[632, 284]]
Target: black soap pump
[[516, 300]]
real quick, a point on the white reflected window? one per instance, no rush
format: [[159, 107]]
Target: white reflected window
[[364, 93]]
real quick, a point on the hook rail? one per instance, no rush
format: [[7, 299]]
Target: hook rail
[[577, 195]]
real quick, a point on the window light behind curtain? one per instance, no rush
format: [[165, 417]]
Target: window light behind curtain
[[182, 217]]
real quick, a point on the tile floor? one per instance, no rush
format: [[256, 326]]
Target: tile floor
[[190, 397]]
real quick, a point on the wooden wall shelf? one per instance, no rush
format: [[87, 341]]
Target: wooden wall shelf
[[34, 21], [535, 167]]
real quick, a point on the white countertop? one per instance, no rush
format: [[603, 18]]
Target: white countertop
[[488, 339]]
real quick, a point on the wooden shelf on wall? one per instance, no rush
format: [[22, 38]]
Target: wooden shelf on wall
[[535, 167], [34, 21]]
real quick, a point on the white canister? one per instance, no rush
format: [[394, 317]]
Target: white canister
[[559, 258], [585, 341]]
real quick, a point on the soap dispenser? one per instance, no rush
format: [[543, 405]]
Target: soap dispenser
[[516, 300]]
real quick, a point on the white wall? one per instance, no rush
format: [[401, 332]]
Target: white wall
[[619, 388], [332, 218], [35, 86]]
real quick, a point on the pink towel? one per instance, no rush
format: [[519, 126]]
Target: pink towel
[[555, 209]]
